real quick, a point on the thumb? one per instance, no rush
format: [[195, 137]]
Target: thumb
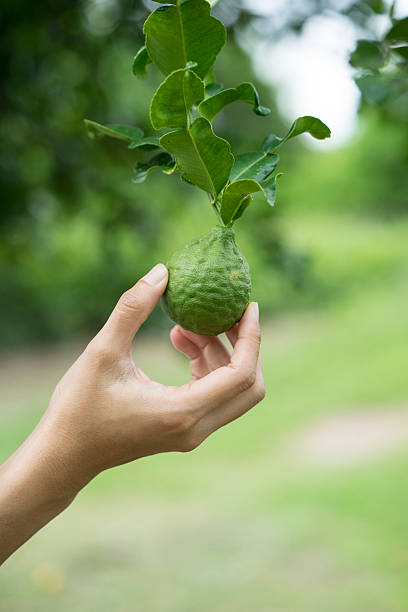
[[133, 308]]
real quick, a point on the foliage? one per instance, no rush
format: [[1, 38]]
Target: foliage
[[74, 231], [183, 41], [380, 62], [383, 70]]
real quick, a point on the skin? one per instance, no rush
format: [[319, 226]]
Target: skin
[[106, 412]]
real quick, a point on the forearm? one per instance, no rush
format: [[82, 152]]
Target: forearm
[[36, 484]]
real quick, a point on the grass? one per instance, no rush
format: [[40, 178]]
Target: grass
[[242, 524]]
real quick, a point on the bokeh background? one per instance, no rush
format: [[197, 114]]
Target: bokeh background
[[300, 506]]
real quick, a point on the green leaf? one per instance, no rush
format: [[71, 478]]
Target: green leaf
[[148, 143], [260, 165], [270, 143], [140, 62], [402, 51], [301, 125], [369, 55], [243, 206], [377, 6], [392, 9], [132, 135], [163, 162], [175, 98], [269, 189], [311, 125], [233, 198], [376, 89], [211, 85], [213, 88], [122, 132], [399, 31], [202, 158], [236, 196], [245, 92], [182, 33], [257, 166]]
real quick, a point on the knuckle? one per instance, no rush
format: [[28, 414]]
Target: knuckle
[[169, 421], [247, 379], [100, 353], [177, 423], [253, 338], [129, 302], [190, 443], [259, 392], [256, 336]]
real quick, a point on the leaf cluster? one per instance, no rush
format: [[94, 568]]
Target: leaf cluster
[[382, 66], [183, 40]]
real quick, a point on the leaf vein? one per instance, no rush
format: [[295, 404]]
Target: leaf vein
[[202, 161], [250, 166], [182, 36]]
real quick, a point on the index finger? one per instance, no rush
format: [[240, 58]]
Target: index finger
[[239, 375]]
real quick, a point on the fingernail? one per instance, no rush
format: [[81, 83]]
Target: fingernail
[[255, 308], [156, 275]]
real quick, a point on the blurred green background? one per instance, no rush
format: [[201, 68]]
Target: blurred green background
[[301, 505]]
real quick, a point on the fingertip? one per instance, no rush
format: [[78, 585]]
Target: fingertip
[[251, 316], [247, 345], [182, 344], [251, 311], [192, 336], [156, 276], [175, 332], [181, 329]]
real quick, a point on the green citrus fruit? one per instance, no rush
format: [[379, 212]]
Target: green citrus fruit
[[209, 283]]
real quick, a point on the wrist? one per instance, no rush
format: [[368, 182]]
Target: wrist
[[58, 462], [36, 474], [41, 473]]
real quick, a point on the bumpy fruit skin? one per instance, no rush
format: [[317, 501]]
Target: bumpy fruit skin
[[209, 283]]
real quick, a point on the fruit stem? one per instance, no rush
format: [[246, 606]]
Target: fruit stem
[[217, 212]]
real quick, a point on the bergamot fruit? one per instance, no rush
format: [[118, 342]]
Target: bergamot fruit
[[209, 283]]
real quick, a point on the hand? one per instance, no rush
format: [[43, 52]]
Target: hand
[[105, 411]]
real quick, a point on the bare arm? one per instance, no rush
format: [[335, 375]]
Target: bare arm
[[105, 411]]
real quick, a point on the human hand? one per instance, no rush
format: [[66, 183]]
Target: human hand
[[105, 411]]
